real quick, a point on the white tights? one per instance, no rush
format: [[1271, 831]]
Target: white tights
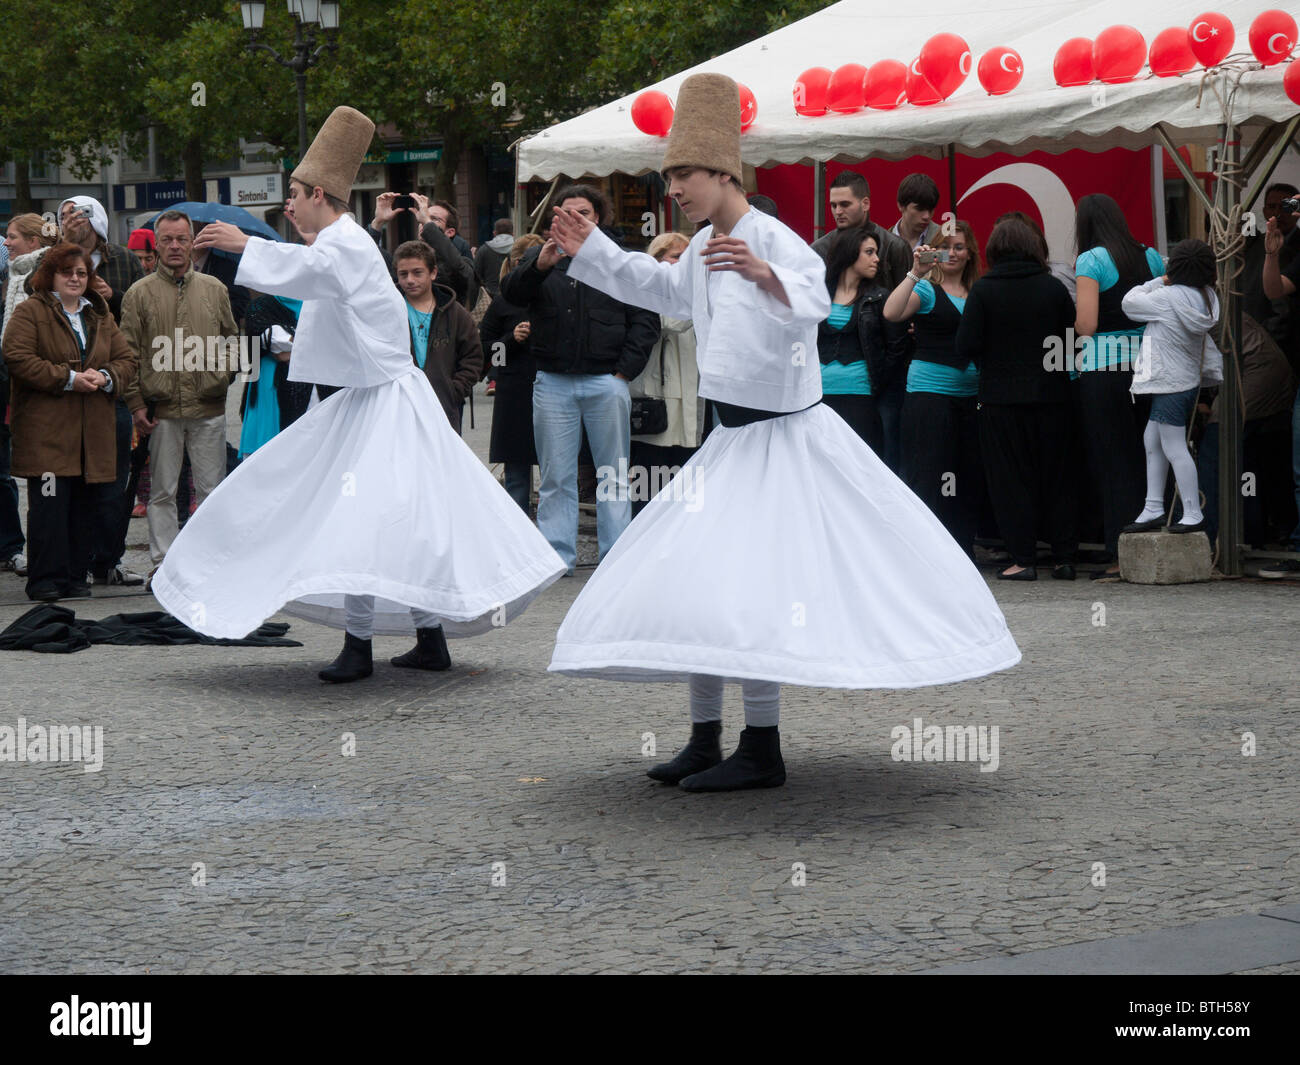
[[762, 700], [1166, 445]]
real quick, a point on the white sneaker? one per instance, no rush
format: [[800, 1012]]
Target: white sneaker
[[1287, 567], [122, 575], [18, 564]]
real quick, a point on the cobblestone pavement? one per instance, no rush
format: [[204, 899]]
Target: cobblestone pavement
[[1119, 744]]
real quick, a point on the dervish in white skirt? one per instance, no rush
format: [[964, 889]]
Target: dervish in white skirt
[[785, 551], [369, 513]]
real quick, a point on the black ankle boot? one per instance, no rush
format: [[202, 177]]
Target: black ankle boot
[[702, 750], [430, 651], [353, 662], [756, 764]]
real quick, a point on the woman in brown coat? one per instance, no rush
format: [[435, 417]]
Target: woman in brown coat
[[67, 361]]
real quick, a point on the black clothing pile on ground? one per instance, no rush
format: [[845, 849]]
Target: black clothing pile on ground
[[56, 630]]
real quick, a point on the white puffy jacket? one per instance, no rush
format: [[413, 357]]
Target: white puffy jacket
[[1175, 339]]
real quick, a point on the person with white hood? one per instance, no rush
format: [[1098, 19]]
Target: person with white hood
[[368, 513], [1177, 355]]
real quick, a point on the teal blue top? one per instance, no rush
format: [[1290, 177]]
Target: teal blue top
[[1097, 354], [262, 416], [840, 379], [420, 323], [935, 377]]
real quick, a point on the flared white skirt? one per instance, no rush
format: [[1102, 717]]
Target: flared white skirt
[[785, 550], [369, 493]]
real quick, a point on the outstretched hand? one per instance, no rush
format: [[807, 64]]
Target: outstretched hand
[[569, 229], [222, 236]]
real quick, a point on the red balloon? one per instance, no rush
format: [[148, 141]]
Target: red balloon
[[845, 92], [885, 86], [1073, 62], [920, 91], [1272, 37], [945, 63], [1210, 38], [748, 107], [1291, 81], [1118, 54], [652, 113], [810, 91], [1000, 70], [1170, 54]]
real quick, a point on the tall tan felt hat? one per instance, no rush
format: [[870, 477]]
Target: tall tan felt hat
[[706, 126], [335, 155]]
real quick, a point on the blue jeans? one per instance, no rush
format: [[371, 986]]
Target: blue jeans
[[1295, 466], [562, 405], [519, 483]]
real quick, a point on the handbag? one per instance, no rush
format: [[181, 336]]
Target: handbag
[[650, 413]]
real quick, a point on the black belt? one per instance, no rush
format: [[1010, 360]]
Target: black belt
[[732, 417]]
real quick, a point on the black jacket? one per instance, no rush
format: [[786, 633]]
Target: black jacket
[[498, 327], [578, 329], [895, 255], [868, 336], [1017, 317]]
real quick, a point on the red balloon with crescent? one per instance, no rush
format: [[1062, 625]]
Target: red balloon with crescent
[[1272, 37], [810, 92], [885, 86], [945, 62], [1170, 53], [652, 113], [919, 90], [1210, 37], [748, 107], [1118, 54], [1291, 81], [1000, 70], [1073, 62]]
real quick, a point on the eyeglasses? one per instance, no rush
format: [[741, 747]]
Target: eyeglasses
[[78, 275]]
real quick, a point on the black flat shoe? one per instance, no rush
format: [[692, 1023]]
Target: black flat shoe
[[1063, 572], [702, 751], [46, 593], [1105, 575], [353, 663], [429, 652], [77, 590], [1145, 526], [1181, 528], [1028, 574]]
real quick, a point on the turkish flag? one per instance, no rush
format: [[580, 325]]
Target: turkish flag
[[1045, 186]]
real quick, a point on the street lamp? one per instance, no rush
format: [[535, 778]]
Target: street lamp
[[308, 15]]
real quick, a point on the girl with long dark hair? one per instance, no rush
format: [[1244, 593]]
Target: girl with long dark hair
[[1111, 262], [860, 351]]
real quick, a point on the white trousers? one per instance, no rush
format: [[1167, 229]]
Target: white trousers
[[205, 440]]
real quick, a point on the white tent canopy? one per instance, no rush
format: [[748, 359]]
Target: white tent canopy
[[1037, 115]]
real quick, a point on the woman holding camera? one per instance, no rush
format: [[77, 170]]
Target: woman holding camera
[[940, 438], [860, 351], [67, 362]]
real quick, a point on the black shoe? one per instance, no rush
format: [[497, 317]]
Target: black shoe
[[756, 763], [45, 593], [702, 751], [1063, 572], [1145, 526], [1104, 575], [77, 590], [1181, 528], [353, 663], [430, 651], [1030, 573]]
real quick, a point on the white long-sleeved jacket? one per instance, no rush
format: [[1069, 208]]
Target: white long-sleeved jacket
[[352, 330], [752, 350]]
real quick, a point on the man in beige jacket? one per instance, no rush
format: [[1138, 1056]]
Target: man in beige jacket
[[179, 396]]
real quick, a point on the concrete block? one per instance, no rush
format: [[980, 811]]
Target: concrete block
[[1164, 558]]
